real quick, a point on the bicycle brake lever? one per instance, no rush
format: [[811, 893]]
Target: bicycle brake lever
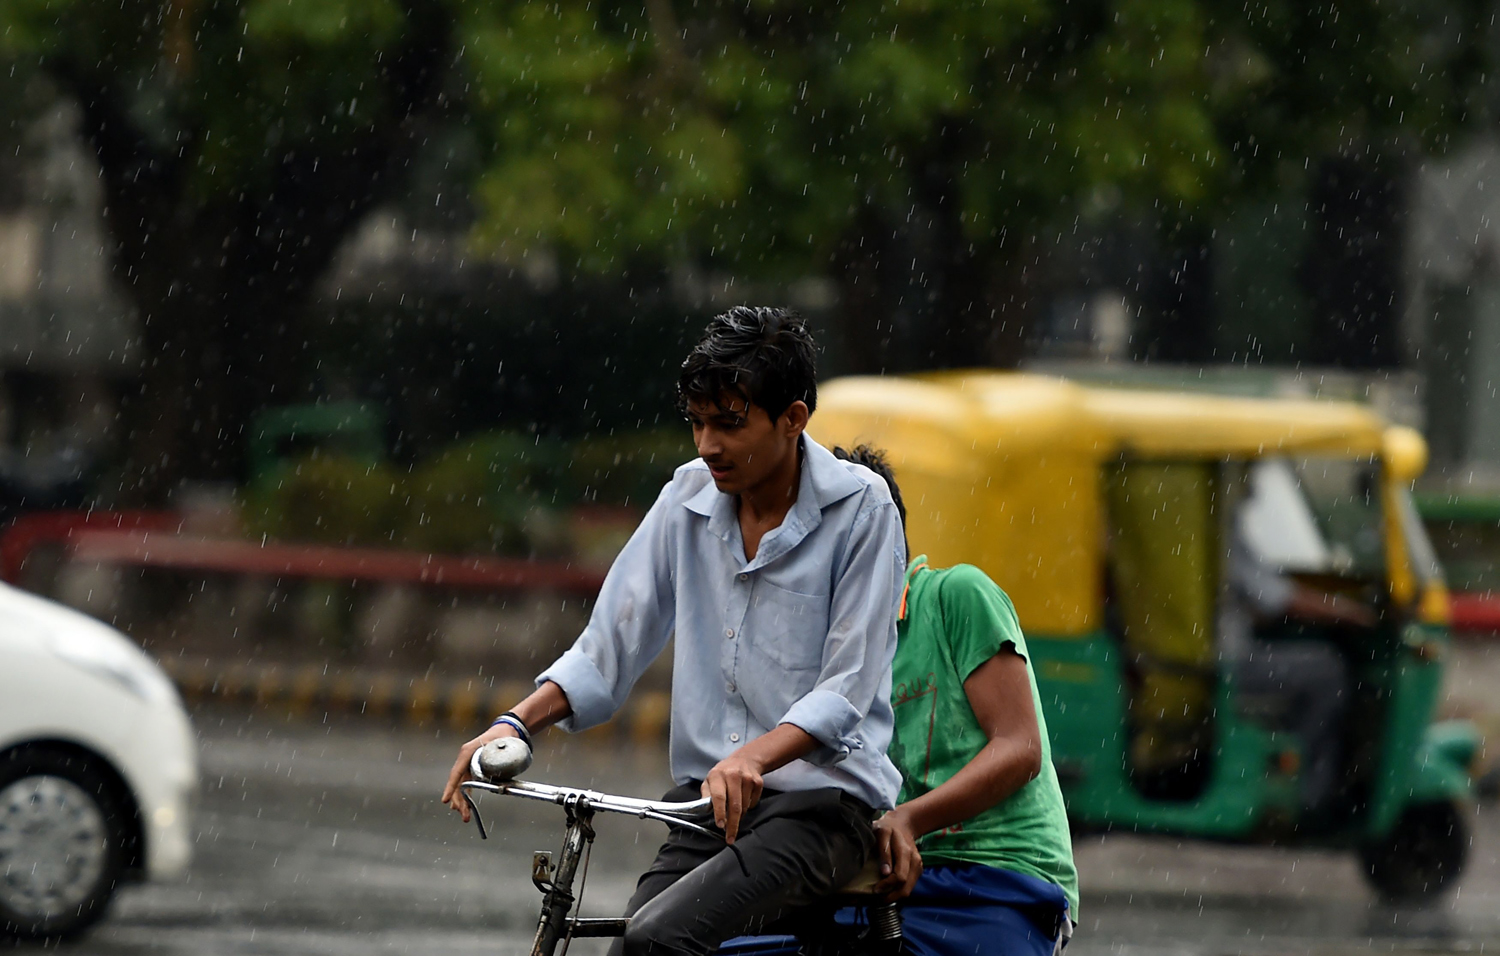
[[478, 820]]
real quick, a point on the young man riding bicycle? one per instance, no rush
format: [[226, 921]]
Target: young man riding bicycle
[[778, 568]]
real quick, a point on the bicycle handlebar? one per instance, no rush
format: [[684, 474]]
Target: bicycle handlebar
[[630, 806], [496, 764], [672, 814]]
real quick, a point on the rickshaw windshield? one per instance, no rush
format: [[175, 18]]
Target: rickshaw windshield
[[1424, 560], [1316, 516]]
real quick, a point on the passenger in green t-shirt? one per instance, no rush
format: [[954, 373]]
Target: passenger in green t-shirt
[[978, 845]]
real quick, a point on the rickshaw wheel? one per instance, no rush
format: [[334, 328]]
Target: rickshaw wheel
[[1422, 855]]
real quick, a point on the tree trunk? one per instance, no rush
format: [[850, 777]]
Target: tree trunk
[[983, 288], [221, 342], [219, 294], [1179, 298], [1353, 264], [222, 283], [1010, 290], [866, 319]]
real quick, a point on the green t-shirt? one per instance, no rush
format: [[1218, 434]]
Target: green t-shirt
[[954, 620]]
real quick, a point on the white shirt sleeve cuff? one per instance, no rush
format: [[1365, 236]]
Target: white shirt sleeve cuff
[[830, 719], [588, 694]]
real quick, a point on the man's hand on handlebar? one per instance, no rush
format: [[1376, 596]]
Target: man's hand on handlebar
[[900, 860], [544, 707], [734, 785], [452, 795]]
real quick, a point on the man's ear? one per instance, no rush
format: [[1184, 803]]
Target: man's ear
[[794, 419]]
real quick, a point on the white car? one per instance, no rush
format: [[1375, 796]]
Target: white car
[[98, 767]]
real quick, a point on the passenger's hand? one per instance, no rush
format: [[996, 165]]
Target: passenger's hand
[[900, 861], [734, 785], [452, 795]]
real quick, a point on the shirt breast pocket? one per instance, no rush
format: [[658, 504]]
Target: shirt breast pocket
[[789, 627]]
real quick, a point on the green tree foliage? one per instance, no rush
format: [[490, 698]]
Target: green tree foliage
[[777, 138], [760, 133], [240, 140], [238, 143]]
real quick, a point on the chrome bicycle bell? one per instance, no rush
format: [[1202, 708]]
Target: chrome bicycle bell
[[500, 760]]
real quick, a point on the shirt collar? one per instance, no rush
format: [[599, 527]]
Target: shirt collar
[[822, 481], [705, 500], [827, 477]]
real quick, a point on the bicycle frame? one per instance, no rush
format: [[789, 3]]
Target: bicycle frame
[[555, 880]]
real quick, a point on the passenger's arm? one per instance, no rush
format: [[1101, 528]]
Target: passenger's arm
[[999, 691]]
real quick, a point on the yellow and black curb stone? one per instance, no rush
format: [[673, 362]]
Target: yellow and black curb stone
[[462, 704]]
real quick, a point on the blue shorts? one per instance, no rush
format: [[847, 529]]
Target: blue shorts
[[958, 910], [967, 908]]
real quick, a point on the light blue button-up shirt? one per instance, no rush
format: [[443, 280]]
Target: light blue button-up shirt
[[802, 634]]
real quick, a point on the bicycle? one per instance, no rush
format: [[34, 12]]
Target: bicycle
[[853, 922]]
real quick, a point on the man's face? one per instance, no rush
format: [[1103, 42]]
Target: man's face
[[740, 443]]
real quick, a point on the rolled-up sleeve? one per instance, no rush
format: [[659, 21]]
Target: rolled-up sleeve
[[861, 636], [631, 623]]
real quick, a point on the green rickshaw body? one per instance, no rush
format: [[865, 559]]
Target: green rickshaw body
[[1102, 514], [1084, 691]]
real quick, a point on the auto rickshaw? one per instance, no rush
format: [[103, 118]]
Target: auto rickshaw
[[1106, 513]]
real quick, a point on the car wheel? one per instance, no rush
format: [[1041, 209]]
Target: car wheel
[[63, 841], [1424, 853]]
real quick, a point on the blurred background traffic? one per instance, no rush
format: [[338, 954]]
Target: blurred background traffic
[[337, 344]]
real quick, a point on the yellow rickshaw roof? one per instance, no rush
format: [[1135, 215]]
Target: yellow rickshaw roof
[[1001, 469], [1017, 410]]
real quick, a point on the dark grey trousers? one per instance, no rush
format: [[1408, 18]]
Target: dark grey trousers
[[1311, 680], [797, 847]]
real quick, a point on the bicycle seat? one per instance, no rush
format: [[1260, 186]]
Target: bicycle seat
[[862, 887]]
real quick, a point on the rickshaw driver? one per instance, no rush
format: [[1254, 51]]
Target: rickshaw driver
[[780, 568], [1308, 677]]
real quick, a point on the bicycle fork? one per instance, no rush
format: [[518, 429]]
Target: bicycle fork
[[556, 884]]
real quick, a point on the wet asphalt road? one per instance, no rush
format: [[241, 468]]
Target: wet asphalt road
[[328, 839]]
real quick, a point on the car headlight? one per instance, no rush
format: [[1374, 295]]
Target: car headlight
[[115, 662]]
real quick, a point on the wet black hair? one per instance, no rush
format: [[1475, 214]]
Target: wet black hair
[[875, 460], [763, 355]]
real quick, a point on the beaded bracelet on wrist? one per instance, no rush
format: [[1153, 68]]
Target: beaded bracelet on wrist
[[515, 723]]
